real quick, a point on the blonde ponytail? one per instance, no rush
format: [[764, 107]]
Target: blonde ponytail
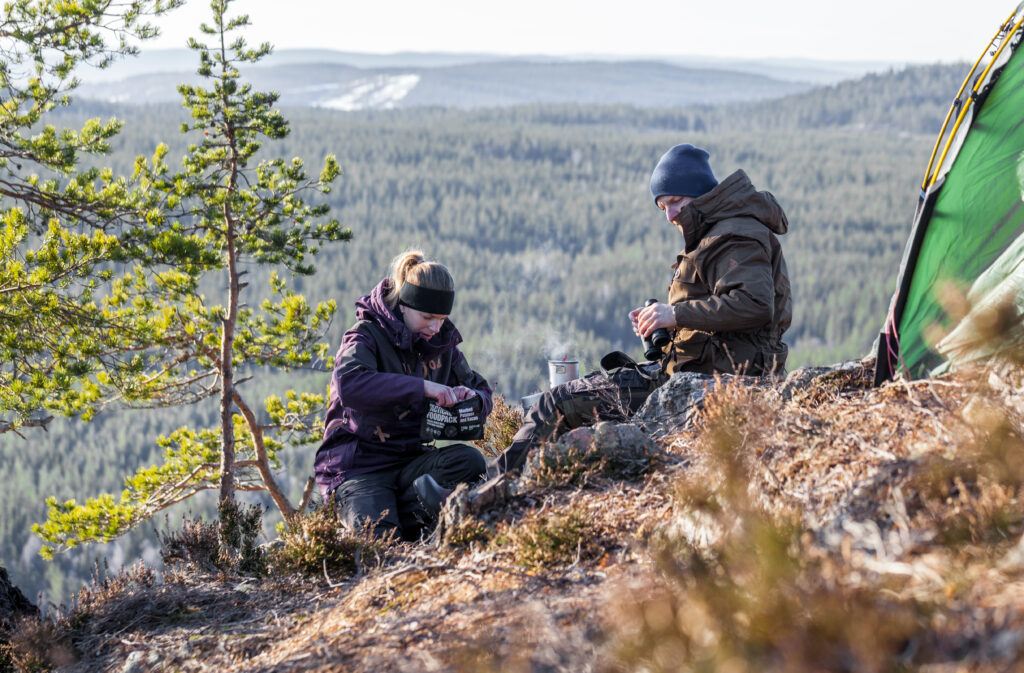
[[412, 267]]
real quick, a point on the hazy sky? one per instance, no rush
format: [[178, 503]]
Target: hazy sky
[[867, 30]]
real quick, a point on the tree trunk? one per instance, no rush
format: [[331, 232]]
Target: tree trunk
[[227, 392], [227, 428], [288, 512]]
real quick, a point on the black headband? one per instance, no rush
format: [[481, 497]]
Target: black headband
[[435, 302]]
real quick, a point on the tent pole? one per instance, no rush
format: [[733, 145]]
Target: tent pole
[[974, 93]]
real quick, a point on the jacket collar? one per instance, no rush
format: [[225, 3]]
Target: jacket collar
[[735, 196]]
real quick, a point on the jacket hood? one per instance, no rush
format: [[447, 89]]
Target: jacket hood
[[372, 307], [735, 196]]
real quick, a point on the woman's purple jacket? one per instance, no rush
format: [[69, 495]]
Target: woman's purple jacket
[[377, 403]]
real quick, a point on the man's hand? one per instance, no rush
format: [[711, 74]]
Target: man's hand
[[649, 318]]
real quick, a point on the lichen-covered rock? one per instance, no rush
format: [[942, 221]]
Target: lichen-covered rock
[[580, 439], [673, 407], [627, 452], [845, 375], [613, 439], [575, 445], [798, 379], [621, 450]]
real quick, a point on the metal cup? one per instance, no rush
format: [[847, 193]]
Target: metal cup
[[561, 371]]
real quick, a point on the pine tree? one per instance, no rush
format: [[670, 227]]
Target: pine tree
[[215, 216], [57, 222]]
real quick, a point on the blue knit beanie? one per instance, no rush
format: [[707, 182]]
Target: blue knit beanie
[[682, 171]]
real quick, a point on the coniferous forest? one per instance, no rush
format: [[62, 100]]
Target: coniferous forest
[[544, 216]]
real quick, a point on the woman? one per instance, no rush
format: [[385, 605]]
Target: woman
[[401, 353]]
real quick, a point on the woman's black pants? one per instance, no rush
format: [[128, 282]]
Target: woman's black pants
[[387, 499]]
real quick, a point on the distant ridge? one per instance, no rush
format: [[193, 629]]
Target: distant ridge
[[788, 69], [350, 81], [469, 85]]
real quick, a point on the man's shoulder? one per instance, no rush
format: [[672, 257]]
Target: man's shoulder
[[738, 227]]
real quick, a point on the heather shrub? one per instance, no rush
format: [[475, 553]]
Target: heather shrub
[[549, 538], [228, 545], [316, 543], [502, 424]]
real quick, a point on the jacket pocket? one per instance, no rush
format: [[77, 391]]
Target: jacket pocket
[[689, 346], [378, 426], [686, 283], [736, 356], [772, 361], [333, 461]]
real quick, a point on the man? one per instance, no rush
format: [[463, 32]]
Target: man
[[729, 302]]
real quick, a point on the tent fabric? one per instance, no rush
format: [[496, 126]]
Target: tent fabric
[[967, 234], [1001, 287]]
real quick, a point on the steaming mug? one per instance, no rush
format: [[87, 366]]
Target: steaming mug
[[562, 371]]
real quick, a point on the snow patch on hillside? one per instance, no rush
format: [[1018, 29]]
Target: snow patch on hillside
[[378, 92]]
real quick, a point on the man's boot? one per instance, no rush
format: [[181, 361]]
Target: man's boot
[[491, 493]]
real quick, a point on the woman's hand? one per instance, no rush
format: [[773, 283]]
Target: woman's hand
[[441, 394], [463, 393], [649, 318]]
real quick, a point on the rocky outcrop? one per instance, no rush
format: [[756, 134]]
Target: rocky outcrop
[[13, 603], [850, 375]]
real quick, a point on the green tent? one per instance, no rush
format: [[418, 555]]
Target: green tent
[[967, 233]]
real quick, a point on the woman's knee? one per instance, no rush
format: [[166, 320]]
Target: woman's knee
[[463, 463], [362, 505]]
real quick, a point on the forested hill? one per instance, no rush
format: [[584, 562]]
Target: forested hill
[[544, 215], [912, 100]]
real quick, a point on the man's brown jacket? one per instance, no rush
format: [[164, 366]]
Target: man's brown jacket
[[730, 290]]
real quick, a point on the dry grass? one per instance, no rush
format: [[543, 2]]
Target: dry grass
[[835, 527], [753, 594]]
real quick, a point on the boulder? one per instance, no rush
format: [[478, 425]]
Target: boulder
[[673, 407], [624, 449], [621, 440]]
